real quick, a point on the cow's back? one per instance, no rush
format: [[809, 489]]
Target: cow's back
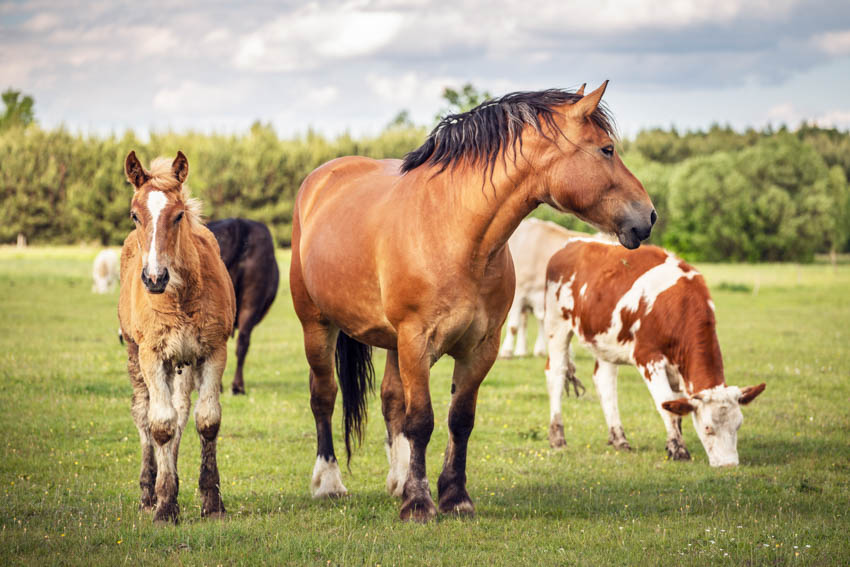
[[532, 244]]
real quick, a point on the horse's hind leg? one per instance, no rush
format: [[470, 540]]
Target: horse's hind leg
[[141, 402], [207, 422], [398, 447], [468, 374]]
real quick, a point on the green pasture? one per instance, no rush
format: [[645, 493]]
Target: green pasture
[[70, 455]]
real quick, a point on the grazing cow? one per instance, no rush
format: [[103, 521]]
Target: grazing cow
[[648, 308], [532, 244], [176, 312], [247, 249], [104, 271]]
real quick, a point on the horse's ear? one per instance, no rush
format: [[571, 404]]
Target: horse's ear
[[136, 174], [580, 90], [180, 167], [585, 107]]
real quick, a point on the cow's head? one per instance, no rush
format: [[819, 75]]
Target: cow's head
[[717, 418]]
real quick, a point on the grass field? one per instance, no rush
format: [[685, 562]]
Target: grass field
[[70, 454]]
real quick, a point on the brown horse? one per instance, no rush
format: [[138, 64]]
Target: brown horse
[[176, 311], [411, 256]]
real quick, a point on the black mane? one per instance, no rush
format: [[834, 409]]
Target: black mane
[[482, 134]]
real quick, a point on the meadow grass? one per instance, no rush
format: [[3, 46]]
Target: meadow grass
[[70, 454]]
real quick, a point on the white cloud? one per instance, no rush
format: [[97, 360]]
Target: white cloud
[[42, 22], [313, 34], [834, 43], [192, 97], [787, 113]]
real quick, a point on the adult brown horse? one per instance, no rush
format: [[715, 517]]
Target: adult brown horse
[[176, 312], [411, 256]]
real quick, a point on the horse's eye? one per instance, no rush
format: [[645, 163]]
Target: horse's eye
[[179, 217], [134, 217], [608, 151]]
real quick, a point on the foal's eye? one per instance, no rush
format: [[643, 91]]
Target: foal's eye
[[134, 217], [179, 217], [608, 151]]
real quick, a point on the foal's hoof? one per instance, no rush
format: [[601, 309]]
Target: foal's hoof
[[166, 513], [418, 510]]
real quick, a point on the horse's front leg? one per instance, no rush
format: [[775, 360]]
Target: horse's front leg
[[414, 369], [469, 372], [139, 410], [207, 422], [163, 423]]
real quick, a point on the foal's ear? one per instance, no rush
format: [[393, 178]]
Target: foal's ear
[[580, 90], [585, 107], [180, 167], [136, 174]]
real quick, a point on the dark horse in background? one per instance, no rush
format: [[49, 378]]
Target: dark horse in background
[[247, 249]]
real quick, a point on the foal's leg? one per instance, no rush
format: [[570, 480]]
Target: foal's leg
[[414, 368], [140, 407], [163, 421], [605, 379], [467, 377], [392, 405], [207, 422], [655, 377]]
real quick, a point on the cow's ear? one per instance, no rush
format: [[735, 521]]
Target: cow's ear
[[682, 406], [750, 393]]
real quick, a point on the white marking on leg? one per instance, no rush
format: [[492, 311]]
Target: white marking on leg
[[398, 454], [156, 202], [327, 480]]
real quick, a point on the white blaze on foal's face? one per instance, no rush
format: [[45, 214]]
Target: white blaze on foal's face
[[156, 202]]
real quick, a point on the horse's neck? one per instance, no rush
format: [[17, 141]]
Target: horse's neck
[[487, 210]]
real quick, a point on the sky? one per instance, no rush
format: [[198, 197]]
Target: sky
[[102, 67]]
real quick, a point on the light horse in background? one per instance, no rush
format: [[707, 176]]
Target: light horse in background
[[411, 256], [176, 312]]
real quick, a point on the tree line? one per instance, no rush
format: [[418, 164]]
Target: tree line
[[721, 194]]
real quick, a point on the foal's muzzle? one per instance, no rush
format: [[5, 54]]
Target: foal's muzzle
[[636, 229], [157, 283]]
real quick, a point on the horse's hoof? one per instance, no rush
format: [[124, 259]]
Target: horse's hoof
[[419, 510], [462, 506], [212, 507], [166, 513]]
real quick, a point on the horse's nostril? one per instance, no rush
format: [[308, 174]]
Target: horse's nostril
[[653, 217]]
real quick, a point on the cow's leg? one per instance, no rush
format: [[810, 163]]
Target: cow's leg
[[392, 405], [414, 361], [248, 319], [163, 421], [140, 408], [469, 372], [605, 378], [512, 328], [558, 367], [522, 333], [655, 376], [540, 342], [208, 422]]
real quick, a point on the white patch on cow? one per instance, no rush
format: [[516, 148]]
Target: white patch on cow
[[156, 202], [717, 417], [327, 480], [582, 290], [711, 305], [398, 455]]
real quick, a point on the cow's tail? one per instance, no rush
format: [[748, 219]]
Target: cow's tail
[[356, 378]]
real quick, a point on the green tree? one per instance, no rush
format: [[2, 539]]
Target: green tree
[[463, 100], [19, 111]]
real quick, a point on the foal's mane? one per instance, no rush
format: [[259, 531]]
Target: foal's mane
[[481, 135], [162, 179]]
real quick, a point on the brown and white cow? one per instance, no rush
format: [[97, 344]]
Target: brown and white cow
[[648, 308], [531, 246]]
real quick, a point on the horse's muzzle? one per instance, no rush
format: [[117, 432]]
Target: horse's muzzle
[[636, 230], [156, 285]]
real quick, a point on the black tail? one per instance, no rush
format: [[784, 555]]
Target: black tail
[[356, 378]]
